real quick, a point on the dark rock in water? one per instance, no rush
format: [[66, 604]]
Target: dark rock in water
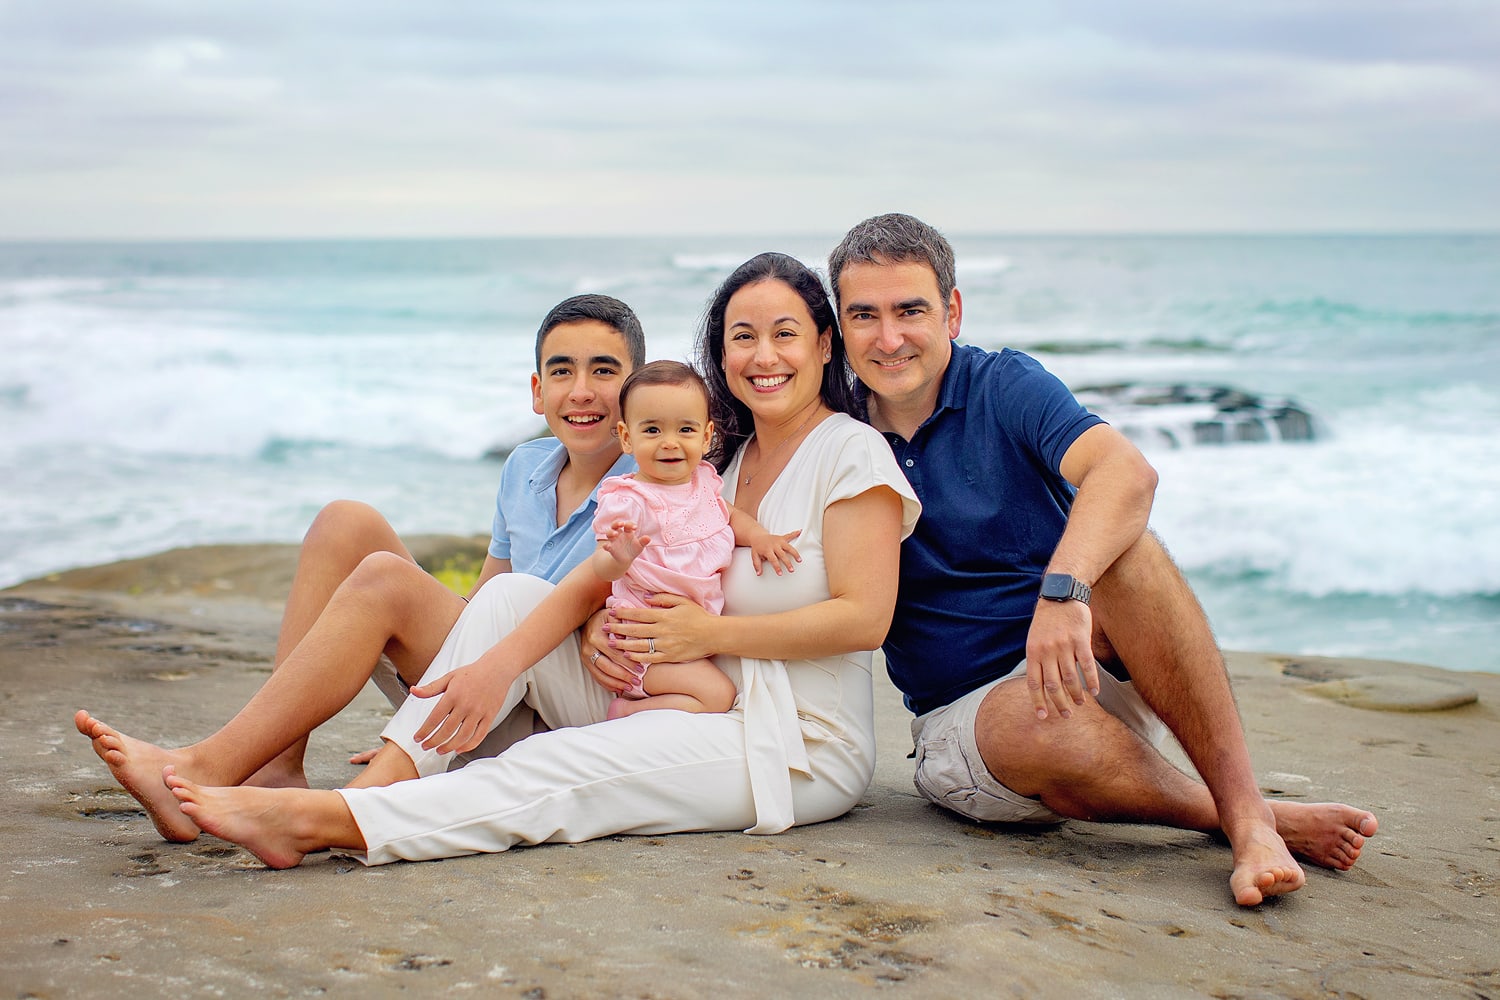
[[1180, 415]]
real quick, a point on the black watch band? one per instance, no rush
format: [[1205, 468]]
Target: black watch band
[[1063, 587]]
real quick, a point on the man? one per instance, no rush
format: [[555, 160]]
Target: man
[[1032, 567], [544, 508]]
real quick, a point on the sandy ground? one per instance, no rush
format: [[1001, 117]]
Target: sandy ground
[[897, 896]]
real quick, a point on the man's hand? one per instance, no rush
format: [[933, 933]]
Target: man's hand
[[1058, 647], [471, 698], [611, 668], [776, 550]]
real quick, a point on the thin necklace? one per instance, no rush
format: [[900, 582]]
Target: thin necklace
[[766, 462]]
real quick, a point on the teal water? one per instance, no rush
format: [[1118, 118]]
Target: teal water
[[154, 395]]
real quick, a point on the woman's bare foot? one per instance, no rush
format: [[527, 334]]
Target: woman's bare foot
[[252, 817], [137, 766], [1329, 834], [1262, 865]]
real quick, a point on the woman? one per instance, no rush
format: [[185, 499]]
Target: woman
[[797, 748]]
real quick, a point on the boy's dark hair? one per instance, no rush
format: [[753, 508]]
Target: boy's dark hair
[[662, 373], [895, 239], [607, 310]]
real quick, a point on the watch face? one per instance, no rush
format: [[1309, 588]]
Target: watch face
[[1057, 586]]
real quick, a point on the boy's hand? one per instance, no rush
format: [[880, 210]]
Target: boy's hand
[[777, 550], [462, 717]]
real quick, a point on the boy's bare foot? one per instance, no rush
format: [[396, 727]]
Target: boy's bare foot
[[1329, 834], [137, 766], [1262, 865], [250, 817], [278, 774]]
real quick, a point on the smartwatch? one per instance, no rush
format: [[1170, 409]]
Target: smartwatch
[[1062, 587]]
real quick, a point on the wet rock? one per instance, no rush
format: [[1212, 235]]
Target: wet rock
[[1184, 415]]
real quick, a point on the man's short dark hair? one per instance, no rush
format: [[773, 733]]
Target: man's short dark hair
[[895, 239], [607, 310]]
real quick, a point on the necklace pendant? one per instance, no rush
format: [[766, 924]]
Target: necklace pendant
[[747, 480]]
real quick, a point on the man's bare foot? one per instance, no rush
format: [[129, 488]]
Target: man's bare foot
[[137, 766], [250, 817], [1329, 834], [1262, 865]]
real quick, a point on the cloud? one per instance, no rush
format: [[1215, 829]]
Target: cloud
[[162, 119]]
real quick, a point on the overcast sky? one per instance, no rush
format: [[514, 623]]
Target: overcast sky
[[366, 118]]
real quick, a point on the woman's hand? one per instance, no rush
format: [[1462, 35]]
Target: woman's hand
[[672, 630], [611, 668], [471, 698]]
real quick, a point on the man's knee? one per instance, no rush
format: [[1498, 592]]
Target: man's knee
[[1142, 587]]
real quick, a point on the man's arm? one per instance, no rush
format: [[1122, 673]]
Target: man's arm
[[1116, 486]]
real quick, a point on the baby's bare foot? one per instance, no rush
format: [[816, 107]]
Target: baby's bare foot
[[137, 766]]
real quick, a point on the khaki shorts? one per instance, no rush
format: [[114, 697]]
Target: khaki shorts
[[951, 773]]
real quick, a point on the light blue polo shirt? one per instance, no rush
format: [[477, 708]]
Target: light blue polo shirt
[[526, 530]]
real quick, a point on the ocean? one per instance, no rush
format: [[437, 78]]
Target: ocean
[[155, 395]]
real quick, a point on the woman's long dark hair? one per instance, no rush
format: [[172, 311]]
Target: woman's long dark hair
[[733, 423]]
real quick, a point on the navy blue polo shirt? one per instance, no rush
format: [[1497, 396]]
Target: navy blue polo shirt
[[994, 504]]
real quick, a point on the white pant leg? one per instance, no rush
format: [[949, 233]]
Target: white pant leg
[[656, 772], [558, 688], [518, 725], [650, 773]]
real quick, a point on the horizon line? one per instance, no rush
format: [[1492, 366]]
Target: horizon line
[[951, 233]]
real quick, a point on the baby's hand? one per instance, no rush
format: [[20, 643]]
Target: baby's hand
[[776, 550], [622, 543]]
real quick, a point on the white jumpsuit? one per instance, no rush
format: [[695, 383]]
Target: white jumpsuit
[[797, 747]]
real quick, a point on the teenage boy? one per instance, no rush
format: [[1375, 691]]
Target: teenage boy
[[544, 509]]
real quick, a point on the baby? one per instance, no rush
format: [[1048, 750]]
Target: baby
[[666, 530]]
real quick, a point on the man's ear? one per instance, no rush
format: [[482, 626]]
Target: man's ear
[[536, 394], [955, 313]]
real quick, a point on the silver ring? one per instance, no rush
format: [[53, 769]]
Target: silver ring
[[594, 658], [651, 645]]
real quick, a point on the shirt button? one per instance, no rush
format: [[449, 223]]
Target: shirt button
[[910, 463]]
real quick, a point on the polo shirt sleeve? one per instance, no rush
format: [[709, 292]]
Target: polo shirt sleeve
[[499, 533], [1048, 416]]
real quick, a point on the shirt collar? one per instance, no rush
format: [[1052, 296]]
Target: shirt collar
[[544, 477]]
